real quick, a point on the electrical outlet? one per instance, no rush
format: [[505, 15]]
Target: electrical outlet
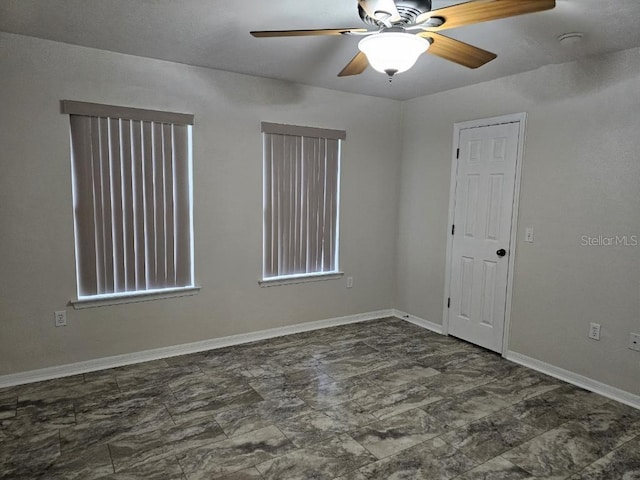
[[61, 318], [594, 331], [634, 341], [349, 282]]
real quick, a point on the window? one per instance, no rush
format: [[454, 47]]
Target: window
[[301, 201], [131, 173]]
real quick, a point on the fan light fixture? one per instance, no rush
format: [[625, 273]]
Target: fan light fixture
[[393, 52]]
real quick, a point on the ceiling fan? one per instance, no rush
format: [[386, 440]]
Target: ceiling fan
[[404, 29]]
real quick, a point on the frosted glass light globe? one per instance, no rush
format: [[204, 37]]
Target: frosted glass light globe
[[393, 52]]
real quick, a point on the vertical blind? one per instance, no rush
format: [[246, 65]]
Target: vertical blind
[[301, 193], [132, 198]]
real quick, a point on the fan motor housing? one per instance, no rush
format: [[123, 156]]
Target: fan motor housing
[[408, 10]]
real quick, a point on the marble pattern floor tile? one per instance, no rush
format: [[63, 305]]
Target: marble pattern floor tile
[[85, 434], [237, 453], [311, 428], [490, 436], [321, 461], [142, 380], [163, 469], [207, 405], [520, 386], [333, 393], [452, 360], [86, 464], [131, 451], [28, 454], [222, 384], [433, 459], [354, 366], [408, 397], [8, 407], [353, 475], [555, 407], [289, 383], [497, 469], [393, 434], [376, 400], [351, 414], [622, 463], [457, 381], [464, 408], [242, 419], [399, 375], [563, 451], [119, 405], [246, 474]]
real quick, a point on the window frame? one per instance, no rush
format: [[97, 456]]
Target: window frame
[[301, 132], [153, 120]]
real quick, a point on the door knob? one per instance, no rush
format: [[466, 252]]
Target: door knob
[[501, 253]]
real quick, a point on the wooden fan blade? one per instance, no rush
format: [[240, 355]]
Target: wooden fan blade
[[457, 51], [484, 11], [356, 66], [305, 33]]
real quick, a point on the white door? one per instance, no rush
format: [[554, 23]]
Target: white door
[[484, 202]]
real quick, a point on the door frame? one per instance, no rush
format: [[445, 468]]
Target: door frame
[[521, 119]]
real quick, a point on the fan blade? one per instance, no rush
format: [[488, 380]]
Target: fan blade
[[484, 11], [356, 66], [457, 51], [305, 33]]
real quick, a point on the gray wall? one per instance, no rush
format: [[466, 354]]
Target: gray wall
[[36, 240], [581, 176]]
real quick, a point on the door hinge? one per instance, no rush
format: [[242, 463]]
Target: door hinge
[[449, 302], [453, 229], [458, 153]]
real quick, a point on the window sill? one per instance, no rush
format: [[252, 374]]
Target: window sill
[[105, 300], [293, 279]]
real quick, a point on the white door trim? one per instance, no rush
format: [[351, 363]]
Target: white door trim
[[520, 118]]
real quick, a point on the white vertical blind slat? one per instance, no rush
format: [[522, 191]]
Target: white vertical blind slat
[[284, 203], [329, 233], [149, 199], [137, 175], [98, 221], [267, 206], [107, 218], [297, 220], [322, 193], [169, 228], [312, 219], [84, 204], [278, 159], [117, 217], [128, 233], [182, 213], [304, 214], [159, 210]]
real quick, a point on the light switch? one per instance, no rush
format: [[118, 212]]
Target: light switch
[[528, 235]]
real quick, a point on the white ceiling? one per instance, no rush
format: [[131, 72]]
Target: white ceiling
[[215, 33]]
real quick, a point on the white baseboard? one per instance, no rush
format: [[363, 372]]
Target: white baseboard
[[421, 322], [175, 350], [587, 383]]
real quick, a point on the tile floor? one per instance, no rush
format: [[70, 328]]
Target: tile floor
[[375, 400]]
